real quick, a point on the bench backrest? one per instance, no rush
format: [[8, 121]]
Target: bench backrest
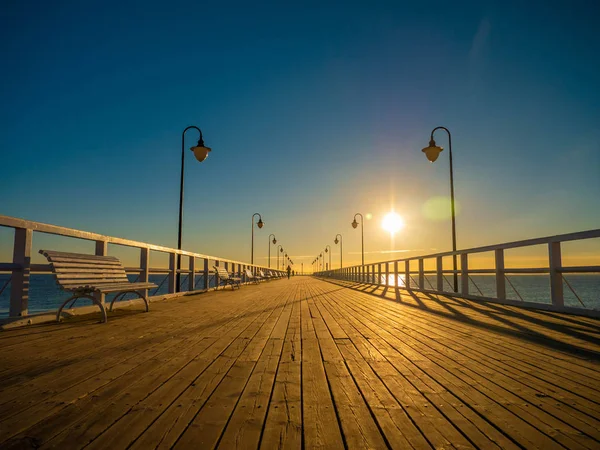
[[249, 274], [73, 270], [223, 274]]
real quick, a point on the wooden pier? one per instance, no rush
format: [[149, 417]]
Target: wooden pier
[[304, 363]]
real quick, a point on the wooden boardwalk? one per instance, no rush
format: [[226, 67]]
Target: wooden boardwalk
[[304, 364]]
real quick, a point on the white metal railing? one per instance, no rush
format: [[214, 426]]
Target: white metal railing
[[389, 273], [21, 268]]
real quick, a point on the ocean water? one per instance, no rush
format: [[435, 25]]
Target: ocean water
[[46, 295], [528, 288]]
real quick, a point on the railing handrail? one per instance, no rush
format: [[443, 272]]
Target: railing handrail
[[374, 273], [13, 222], [589, 234], [21, 266]]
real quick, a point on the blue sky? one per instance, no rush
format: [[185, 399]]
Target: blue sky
[[314, 112]]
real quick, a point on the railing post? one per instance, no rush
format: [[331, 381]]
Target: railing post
[[20, 278], [439, 274], [192, 275], [144, 265], [556, 284], [500, 280], [407, 284], [464, 274], [206, 280], [217, 279], [378, 273], [387, 273], [101, 250], [421, 275], [172, 272]]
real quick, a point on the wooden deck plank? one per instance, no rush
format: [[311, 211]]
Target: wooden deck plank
[[305, 363], [319, 417], [419, 370], [166, 413], [283, 425], [505, 380], [565, 436]]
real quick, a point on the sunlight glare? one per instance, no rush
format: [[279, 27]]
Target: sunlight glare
[[392, 222]]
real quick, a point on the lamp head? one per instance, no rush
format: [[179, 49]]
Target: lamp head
[[260, 223], [355, 223], [200, 150], [336, 241], [326, 250], [433, 151], [281, 249], [274, 241]]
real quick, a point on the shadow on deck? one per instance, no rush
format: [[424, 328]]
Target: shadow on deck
[[305, 363]]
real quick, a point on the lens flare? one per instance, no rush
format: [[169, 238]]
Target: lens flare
[[392, 222]]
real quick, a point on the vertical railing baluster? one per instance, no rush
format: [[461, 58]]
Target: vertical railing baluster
[[407, 283], [101, 250], [192, 276], [172, 272], [439, 274], [21, 277], [500, 278], [421, 275], [144, 269], [464, 274], [206, 280], [556, 284], [217, 279], [387, 273]]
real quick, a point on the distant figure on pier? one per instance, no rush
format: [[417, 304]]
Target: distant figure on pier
[[293, 273], [289, 271]]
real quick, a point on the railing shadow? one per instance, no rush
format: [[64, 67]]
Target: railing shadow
[[499, 313]]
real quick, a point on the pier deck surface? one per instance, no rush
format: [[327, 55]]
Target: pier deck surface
[[304, 363]]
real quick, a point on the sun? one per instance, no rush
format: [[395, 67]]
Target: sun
[[392, 222]]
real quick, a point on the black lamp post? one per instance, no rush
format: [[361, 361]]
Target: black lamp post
[[274, 242], [432, 152], [340, 241], [260, 224], [280, 248], [362, 234], [200, 152], [328, 250]]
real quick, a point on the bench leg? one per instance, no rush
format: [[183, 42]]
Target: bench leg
[[75, 297]]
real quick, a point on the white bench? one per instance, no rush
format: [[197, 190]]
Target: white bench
[[226, 278], [84, 275], [251, 277]]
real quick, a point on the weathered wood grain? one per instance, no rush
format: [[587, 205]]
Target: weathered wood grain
[[304, 363]]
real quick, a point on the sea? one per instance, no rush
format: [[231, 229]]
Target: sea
[[581, 290]]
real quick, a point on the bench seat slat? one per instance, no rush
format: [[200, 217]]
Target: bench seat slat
[[92, 282], [113, 287], [67, 255], [100, 276], [87, 269], [125, 287], [83, 262]]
